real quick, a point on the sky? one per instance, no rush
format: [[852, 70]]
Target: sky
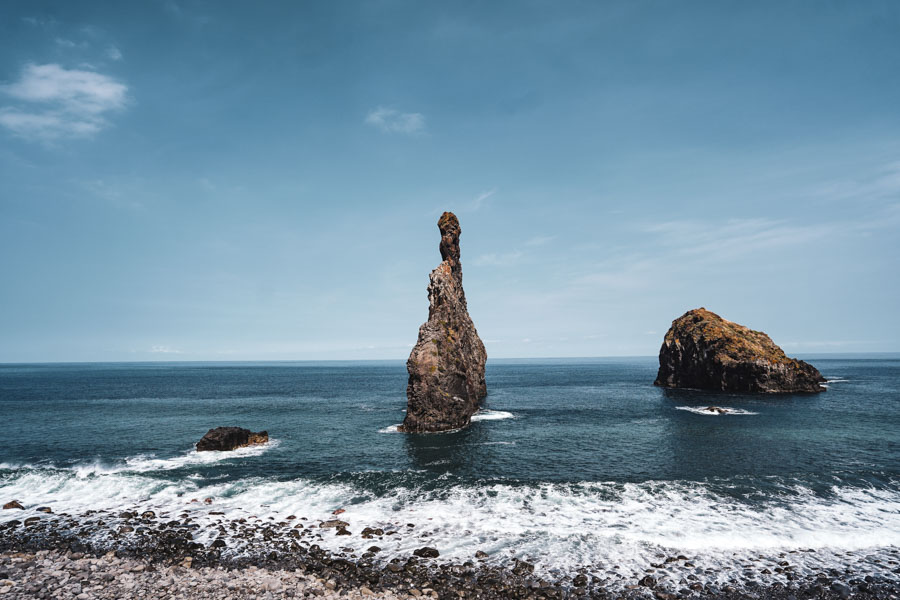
[[188, 180]]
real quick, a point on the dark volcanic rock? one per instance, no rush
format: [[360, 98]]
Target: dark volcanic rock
[[446, 366], [13, 504], [704, 351], [229, 438]]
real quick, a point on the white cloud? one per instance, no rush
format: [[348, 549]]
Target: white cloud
[[497, 260], [164, 350], [113, 53], [390, 120], [63, 42], [540, 240], [55, 102]]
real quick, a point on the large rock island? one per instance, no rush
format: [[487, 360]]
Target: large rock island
[[446, 366], [704, 351]]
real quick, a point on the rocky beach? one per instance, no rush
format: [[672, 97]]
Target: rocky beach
[[129, 555]]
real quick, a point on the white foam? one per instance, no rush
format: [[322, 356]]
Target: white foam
[[836, 380], [561, 525], [145, 463], [481, 415], [492, 415], [704, 410]]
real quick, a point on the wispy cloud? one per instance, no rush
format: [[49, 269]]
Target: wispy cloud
[[540, 240], [497, 259], [113, 53], [66, 43], [164, 350], [480, 199], [390, 120], [52, 102], [720, 241]]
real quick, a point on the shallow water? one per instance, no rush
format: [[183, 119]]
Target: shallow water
[[571, 462]]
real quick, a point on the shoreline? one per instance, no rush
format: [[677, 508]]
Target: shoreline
[[124, 552]]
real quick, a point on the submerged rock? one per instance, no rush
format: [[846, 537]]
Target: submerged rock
[[704, 351], [446, 366], [230, 438]]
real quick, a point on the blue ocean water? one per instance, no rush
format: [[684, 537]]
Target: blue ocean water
[[571, 462]]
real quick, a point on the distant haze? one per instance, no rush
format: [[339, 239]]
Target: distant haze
[[240, 181]]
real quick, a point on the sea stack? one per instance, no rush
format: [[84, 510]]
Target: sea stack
[[446, 366], [704, 351]]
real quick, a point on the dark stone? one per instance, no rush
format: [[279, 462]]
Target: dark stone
[[523, 568], [44, 509], [230, 438], [334, 523], [580, 580], [480, 554], [647, 581], [426, 552], [14, 504], [704, 351], [446, 366], [842, 590]]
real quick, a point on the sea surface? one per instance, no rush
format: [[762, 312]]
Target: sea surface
[[575, 462]]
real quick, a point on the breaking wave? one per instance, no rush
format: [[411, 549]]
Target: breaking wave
[[715, 410]]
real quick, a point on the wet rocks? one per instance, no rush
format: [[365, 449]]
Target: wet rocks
[[704, 351], [13, 505], [426, 552], [446, 366], [230, 438]]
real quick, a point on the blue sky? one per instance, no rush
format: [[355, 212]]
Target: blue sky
[[228, 181]]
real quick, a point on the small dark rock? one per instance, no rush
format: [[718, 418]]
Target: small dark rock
[[230, 438], [523, 568], [14, 504], [426, 552], [647, 581], [334, 523]]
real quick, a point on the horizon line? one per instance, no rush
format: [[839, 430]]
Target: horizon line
[[363, 360]]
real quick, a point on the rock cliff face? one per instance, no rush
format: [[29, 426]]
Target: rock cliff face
[[704, 351], [229, 438], [446, 366]]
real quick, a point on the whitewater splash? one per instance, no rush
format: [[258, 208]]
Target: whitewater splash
[[722, 410], [481, 415], [560, 526], [492, 415]]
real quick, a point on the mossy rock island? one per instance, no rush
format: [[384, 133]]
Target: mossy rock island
[[446, 366], [704, 351]]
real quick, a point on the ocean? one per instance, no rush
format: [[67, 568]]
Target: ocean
[[572, 463]]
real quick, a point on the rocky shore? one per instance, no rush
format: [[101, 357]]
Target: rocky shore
[[132, 555]]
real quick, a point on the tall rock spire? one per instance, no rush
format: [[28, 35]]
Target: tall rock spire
[[446, 366]]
